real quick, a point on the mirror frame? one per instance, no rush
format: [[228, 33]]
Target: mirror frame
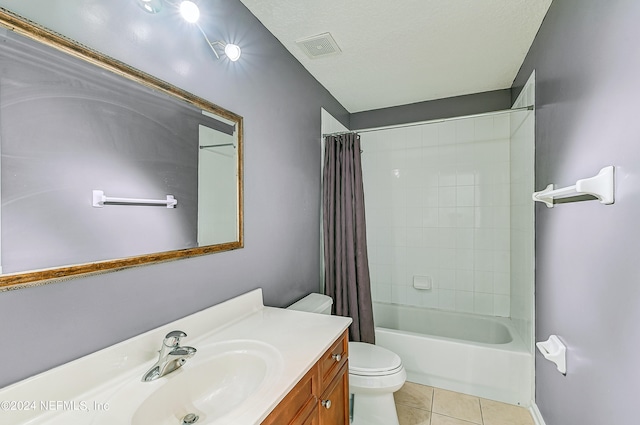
[[11, 281]]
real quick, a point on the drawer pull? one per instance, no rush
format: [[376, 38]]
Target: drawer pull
[[337, 357], [326, 404]]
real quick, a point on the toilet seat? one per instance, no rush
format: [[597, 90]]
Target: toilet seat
[[372, 360]]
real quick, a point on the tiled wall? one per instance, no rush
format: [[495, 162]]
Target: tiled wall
[[438, 205]]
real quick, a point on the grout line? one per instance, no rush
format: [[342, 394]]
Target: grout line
[[433, 394], [412, 407], [457, 419]]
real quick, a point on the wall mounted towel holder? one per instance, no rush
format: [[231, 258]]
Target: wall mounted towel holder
[[555, 351], [601, 186], [99, 200]]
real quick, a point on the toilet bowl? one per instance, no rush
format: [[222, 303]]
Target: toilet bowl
[[375, 373]]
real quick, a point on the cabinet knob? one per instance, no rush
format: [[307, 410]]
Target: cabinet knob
[[337, 357], [326, 404]]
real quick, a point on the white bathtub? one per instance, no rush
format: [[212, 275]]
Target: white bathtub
[[477, 355]]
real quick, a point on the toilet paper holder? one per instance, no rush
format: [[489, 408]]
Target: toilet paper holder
[[555, 351]]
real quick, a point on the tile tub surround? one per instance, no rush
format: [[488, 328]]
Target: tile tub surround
[[438, 205], [424, 405], [300, 338]]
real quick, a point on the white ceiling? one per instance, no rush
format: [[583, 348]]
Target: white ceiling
[[396, 52]]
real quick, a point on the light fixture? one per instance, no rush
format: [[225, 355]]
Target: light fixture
[[188, 9], [191, 13], [151, 6], [232, 51]]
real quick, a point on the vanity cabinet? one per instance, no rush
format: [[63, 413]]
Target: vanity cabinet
[[321, 397]]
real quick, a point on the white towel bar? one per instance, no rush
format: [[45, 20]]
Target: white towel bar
[[600, 186], [99, 200]]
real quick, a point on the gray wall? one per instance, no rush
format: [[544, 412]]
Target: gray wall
[[280, 103], [433, 109], [587, 269]]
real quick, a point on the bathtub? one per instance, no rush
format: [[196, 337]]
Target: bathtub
[[467, 353]]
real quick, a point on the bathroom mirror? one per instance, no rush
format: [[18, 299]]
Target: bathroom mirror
[[105, 167]]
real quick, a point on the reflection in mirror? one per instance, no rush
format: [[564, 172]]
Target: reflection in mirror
[[217, 197], [69, 128]]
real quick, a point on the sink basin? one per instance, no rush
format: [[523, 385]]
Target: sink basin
[[215, 385]]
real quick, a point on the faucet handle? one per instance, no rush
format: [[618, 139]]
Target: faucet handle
[[173, 338]]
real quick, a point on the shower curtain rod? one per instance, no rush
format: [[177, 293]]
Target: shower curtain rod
[[217, 146], [434, 121], [437, 120], [338, 133]]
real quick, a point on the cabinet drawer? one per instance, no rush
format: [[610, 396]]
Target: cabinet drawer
[[333, 359]]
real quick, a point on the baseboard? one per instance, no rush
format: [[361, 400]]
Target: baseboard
[[535, 412]]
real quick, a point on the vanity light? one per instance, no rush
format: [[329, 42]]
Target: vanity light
[[232, 51], [189, 11], [151, 6]]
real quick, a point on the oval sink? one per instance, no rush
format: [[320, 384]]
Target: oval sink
[[214, 385]]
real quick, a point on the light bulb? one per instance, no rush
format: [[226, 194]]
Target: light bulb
[[151, 6], [232, 51], [189, 11]]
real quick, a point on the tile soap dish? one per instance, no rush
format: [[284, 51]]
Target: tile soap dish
[[555, 351]]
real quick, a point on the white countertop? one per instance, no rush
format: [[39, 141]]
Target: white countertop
[[74, 392]]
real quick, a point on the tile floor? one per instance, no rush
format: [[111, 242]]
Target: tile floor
[[423, 405]]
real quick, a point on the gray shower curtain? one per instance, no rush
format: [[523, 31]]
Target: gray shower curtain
[[345, 242]]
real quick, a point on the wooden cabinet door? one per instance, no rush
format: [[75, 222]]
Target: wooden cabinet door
[[333, 406], [329, 377], [313, 419], [298, 404]]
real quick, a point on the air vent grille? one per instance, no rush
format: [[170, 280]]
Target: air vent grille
[[319, 46]]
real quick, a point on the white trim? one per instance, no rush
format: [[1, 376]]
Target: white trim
[[535, 413], [527, 97]]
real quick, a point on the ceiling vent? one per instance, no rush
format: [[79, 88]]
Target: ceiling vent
[[319, 45]]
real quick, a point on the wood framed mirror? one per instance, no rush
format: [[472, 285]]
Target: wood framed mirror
[[92, 149]]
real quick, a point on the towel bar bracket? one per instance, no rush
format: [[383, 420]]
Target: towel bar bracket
[[600, 186]]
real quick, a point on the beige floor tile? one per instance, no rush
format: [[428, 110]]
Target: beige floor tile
[[414, 395], [496, 413], [412, 416], [456, 405], [446, 420]]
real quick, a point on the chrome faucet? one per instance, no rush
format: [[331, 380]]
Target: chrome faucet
[[171, 357]]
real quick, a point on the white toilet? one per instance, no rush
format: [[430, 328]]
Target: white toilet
[[375, 373]]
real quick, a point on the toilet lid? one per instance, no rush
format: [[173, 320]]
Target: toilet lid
[[369, 359]]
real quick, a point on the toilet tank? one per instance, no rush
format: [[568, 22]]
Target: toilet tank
[[313, 303]]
